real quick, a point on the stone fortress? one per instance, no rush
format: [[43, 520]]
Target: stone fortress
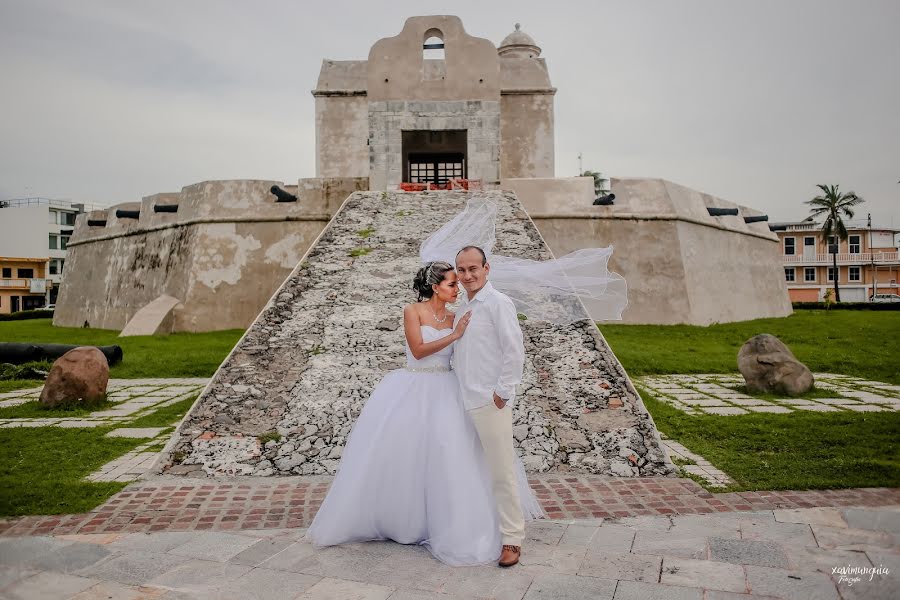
[[475, 112]]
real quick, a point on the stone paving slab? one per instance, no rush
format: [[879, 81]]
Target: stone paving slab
[[713, 394], [136, 432], [133, 397], [155, 565]]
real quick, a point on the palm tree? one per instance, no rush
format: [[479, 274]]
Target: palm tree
[[833, 205]]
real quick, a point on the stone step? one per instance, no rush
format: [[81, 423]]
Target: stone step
[[310, 360]]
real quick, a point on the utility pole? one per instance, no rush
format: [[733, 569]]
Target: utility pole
[[872, 256], [580, 166]]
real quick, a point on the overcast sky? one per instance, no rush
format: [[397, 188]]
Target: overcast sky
[[755, 101]]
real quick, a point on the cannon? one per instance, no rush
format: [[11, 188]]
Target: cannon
[[721, 212], [606, 200], [122, 213], [281, 195], [19, 353]]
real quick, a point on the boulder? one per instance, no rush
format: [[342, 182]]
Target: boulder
[[769, 366], [78, 377]]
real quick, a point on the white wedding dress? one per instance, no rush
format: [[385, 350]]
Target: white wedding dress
[[413, 470]]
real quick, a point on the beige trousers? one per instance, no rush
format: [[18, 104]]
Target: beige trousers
[[494, 427]]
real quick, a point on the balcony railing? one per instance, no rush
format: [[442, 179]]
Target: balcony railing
[[862, 258], [20, 283]]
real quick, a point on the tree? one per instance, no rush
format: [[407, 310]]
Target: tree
[[834, 205], [600, 182]]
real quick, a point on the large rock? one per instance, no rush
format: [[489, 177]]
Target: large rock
[[78, 377], [769, 366]]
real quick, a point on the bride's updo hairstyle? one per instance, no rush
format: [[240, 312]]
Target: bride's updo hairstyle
[[431, 274]]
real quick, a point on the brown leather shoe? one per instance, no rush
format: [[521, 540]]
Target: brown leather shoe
[[510, 555]]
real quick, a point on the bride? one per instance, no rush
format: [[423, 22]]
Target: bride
[[413, 469]]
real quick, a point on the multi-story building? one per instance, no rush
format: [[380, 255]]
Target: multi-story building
[[38, 228], [867, 261], [23, 283]]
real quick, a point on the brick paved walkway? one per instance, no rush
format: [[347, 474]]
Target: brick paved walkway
[[176, 504]]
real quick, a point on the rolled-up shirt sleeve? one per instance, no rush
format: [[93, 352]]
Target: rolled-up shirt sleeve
[[512, 348]]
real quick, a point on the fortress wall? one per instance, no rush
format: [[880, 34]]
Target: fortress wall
[[342, 135], [526, 135], [681, 264], [731, 277], [228, 246]]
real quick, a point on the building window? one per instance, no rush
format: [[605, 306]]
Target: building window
[[833, 245], [831, 272], [62, 263], [52, 218], [67, 218], [809, 274], [789, 273], [7, 272], [789, 246], [53, 242], [809, 241], [854, 244], [53, 270], [63, 242], [854, 274], [26, 273]]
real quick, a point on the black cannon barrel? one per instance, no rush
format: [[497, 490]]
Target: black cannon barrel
[[756, 219], [167, 208], [19, 353], [96, 222], [281, 195], [721, 212], [121, 213], [606, 200]]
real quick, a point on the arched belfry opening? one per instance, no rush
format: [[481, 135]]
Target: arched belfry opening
[[433, 47], [434, 65]]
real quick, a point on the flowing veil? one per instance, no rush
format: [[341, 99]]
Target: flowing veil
[[551, 290]]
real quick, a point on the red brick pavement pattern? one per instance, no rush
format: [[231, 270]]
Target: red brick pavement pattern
[[145, 507]]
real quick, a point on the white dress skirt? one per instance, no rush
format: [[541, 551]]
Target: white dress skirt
[[413, 470]]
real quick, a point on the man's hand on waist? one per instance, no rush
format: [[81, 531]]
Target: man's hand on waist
[[498, 401]]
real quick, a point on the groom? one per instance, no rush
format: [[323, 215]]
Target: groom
[[489, 360]]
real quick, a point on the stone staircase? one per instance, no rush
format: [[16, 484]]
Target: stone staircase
[[285, 399]]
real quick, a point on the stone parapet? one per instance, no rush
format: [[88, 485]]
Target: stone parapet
[[682, 264], [227, 245]]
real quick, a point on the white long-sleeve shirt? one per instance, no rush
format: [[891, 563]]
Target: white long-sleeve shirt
[[490, 356]]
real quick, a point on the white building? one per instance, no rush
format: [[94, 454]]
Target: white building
[[39, 228]]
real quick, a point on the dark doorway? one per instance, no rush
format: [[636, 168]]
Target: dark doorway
[[434, 156], [14, 304], [32, 302]]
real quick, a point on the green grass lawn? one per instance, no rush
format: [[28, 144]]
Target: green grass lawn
[[801, 450], [42, 470], [860, 343], [175, 355]]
